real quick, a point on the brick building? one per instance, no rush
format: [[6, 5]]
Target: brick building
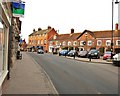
[[40, 38], [86, 40], [64, 41]]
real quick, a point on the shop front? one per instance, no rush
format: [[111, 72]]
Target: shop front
[[4, 33]]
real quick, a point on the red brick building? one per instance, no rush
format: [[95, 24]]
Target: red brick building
[[64, 41], [86, 40], [40, 38]]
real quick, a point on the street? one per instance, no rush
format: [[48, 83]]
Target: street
[[70, 76]]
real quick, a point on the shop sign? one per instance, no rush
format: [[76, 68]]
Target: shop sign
[[18, 9]]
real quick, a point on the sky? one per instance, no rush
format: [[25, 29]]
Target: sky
[[62, 15]]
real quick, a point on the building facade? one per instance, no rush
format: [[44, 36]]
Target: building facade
[[41, 37], [87, 40], [64, 41], [5, 23]]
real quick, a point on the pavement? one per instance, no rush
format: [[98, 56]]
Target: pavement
[[27, 77], [101, 61]]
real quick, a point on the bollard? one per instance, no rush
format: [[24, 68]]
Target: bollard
[[90, 58], [74, 56]]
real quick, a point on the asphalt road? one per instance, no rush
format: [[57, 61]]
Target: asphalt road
[[70, 76]]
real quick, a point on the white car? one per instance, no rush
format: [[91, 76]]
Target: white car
[[116, 59]]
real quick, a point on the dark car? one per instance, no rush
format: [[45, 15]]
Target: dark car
[[40, 51], [63, 52], [107, 55], [72, 53], [82, 53], [93, 53]]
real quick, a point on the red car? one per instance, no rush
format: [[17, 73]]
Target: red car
[[107, 55]]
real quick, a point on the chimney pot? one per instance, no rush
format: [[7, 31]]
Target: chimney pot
[[72, 31], [49, 27], [116, 26], [39, 29]]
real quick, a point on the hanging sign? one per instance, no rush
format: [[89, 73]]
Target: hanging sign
[[18, 9]]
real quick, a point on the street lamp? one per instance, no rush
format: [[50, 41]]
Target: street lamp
[[86, 40], [116, 2]]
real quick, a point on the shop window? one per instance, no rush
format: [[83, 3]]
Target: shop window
[[1, 47]]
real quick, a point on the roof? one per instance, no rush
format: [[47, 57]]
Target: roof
[[90, 32], [72, 36], [106, 34], [40, 32]]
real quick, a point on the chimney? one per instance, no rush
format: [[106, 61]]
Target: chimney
[[39, 29], [33, 30], [72, 31], [49, 27], [116, 27]]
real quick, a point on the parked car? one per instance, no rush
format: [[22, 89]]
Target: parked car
[[93, 53], [72, 53], [82, 53], [107, 55], [116, 59], [40, 51], [63, 52]]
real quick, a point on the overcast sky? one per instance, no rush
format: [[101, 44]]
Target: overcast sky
[[63, 15]]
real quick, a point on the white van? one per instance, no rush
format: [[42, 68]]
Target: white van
[[116, 59]]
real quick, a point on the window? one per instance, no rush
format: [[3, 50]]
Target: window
[[81, 43], [64, 43], [69, 43], [39, 41], [34, 41], [51, 42], [99, 42], [45, 41], [1, 49], [54, 37], [118, 42], [108, 42], [75, 43], [89, 43], [57, 43]]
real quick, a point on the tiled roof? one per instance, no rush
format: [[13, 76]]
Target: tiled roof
[[106, 34], [67, 36], [43, 31], [40, 32]]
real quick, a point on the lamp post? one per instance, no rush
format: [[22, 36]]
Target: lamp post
[[116, 2], [86, 40]]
